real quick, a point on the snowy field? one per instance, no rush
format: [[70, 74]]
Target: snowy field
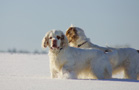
[[31, 72]]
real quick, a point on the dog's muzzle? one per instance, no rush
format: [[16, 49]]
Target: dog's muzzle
[[54, 44]]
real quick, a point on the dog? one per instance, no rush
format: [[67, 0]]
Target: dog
[[69, 62], [126, 59]]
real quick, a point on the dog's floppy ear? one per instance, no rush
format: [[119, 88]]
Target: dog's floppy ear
[[45, 40], [64, 40]]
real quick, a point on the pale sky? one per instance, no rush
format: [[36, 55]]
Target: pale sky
[[23, 23]]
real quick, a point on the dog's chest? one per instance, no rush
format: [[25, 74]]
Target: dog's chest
[[57, 61]]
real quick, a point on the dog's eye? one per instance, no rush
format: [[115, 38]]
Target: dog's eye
[[50, 38], [68, 32], [58, 37]]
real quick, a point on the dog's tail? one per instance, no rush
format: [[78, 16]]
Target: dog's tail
[[138, 51]]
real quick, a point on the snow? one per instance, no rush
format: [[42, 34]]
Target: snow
[[31, 72]]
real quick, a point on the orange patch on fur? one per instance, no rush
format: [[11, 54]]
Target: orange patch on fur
[[71, 34]]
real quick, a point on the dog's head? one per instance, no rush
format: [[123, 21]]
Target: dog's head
[[55, 40], [74, 34]]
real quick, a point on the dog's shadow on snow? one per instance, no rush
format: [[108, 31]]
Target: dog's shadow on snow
[[114, 79], [121, 80]]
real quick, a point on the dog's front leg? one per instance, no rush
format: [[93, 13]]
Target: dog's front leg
[[68, 73], [53, 72]]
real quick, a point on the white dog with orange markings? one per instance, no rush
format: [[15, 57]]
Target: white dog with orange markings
[[69, 62], [126, 59]]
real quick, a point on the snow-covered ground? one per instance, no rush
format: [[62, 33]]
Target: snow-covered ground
[[31, 72]]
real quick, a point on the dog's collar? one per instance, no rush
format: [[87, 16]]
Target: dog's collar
[[81, 44], [60, 49]]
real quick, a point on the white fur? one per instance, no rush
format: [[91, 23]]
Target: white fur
[[126, 59], [70, 62]]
